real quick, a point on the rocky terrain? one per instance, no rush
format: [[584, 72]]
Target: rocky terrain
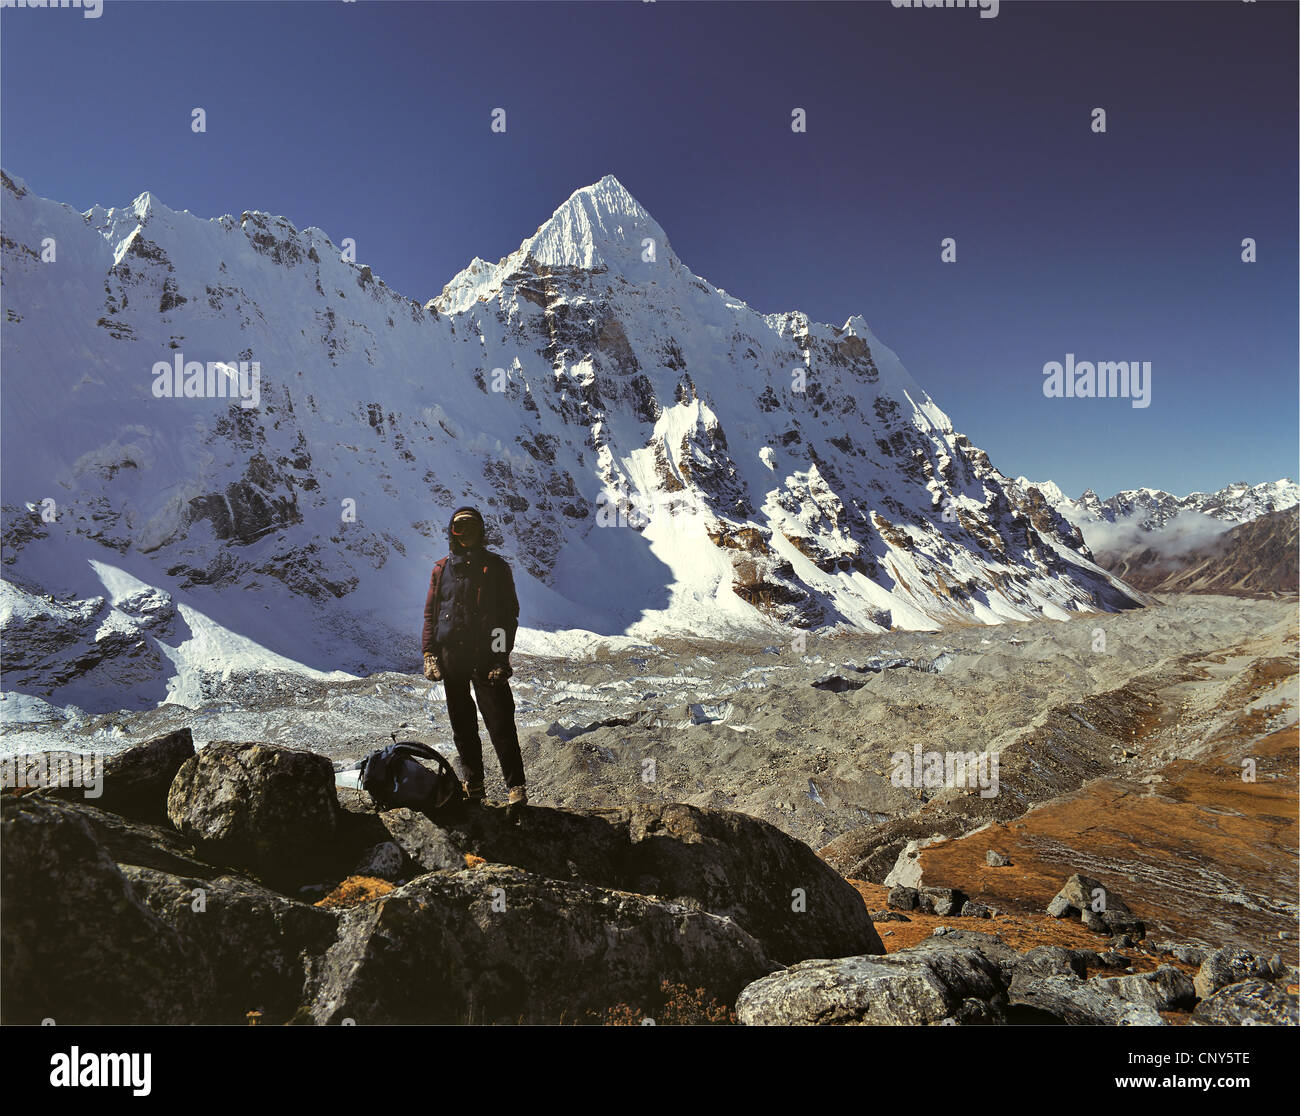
[[269, 895], [622, 898]]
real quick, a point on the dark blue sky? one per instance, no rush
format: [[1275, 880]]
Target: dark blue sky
[[371, 120]]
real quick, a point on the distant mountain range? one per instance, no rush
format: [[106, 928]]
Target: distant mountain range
[[1241, 539], [1258, 557], [1150, 509]]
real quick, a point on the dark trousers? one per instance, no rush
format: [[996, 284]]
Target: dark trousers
[[497, 704]]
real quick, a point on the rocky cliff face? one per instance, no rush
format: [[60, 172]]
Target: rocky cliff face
[[654, 456]]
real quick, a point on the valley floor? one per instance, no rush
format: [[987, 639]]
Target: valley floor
[[1121, 740]]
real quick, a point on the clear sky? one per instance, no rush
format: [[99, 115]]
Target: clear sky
[[372, 120]]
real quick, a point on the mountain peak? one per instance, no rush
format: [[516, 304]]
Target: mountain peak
[[601, 225], [598, 227]]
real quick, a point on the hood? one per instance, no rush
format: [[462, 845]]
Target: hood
[[477, 514]]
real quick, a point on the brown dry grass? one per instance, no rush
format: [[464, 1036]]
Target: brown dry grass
[[354, 891]]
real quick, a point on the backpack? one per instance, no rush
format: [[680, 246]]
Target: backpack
[[394, 777]]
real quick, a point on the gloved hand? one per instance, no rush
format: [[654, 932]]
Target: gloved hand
[[431, 671], [497, 675]]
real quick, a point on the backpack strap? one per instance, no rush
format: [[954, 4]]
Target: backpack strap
[[418, 748], [438, 567], [415, 748]]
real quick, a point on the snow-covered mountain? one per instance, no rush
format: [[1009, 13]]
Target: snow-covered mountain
[[1150, 517], [1152, 508], [653, 455]]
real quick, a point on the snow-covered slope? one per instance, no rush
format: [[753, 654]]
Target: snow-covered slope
[[653, 455]]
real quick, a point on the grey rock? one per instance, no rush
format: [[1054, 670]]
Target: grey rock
[[971, 909], [1092, 920], [257, 944], [1229, 966], [497, 945], [77, 944], [837, 683], [728, 863], [268, 810], [136, 780], [1076, 1002], [1166, 989], [1081, 893], [1248, 1003], [129, 841], [1059, 907], [889, 916], [941, 901], [931, 983], [996, 859], [902, 898]]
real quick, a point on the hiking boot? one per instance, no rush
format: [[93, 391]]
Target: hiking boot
[[518, 804]]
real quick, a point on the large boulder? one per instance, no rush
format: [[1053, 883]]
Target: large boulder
[[561, 844], [1165, 989], [1230, 965], [956, 979], [1046, 997], [137, 779], [129, 841], [728, 863], [1081, 894], [1054, 961], [1249, 1003], [269, 810], [498, 945], [743, 868], [259, 945], [79, 944]]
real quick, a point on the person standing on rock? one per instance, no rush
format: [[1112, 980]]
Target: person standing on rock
[[470, 617]]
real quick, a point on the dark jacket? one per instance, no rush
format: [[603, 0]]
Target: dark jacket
[[471, 602]]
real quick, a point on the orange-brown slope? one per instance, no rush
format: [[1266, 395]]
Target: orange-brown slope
[[1200, 854]]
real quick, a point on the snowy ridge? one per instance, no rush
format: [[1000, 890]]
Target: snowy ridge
[[1142, 517], [653, 455]]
